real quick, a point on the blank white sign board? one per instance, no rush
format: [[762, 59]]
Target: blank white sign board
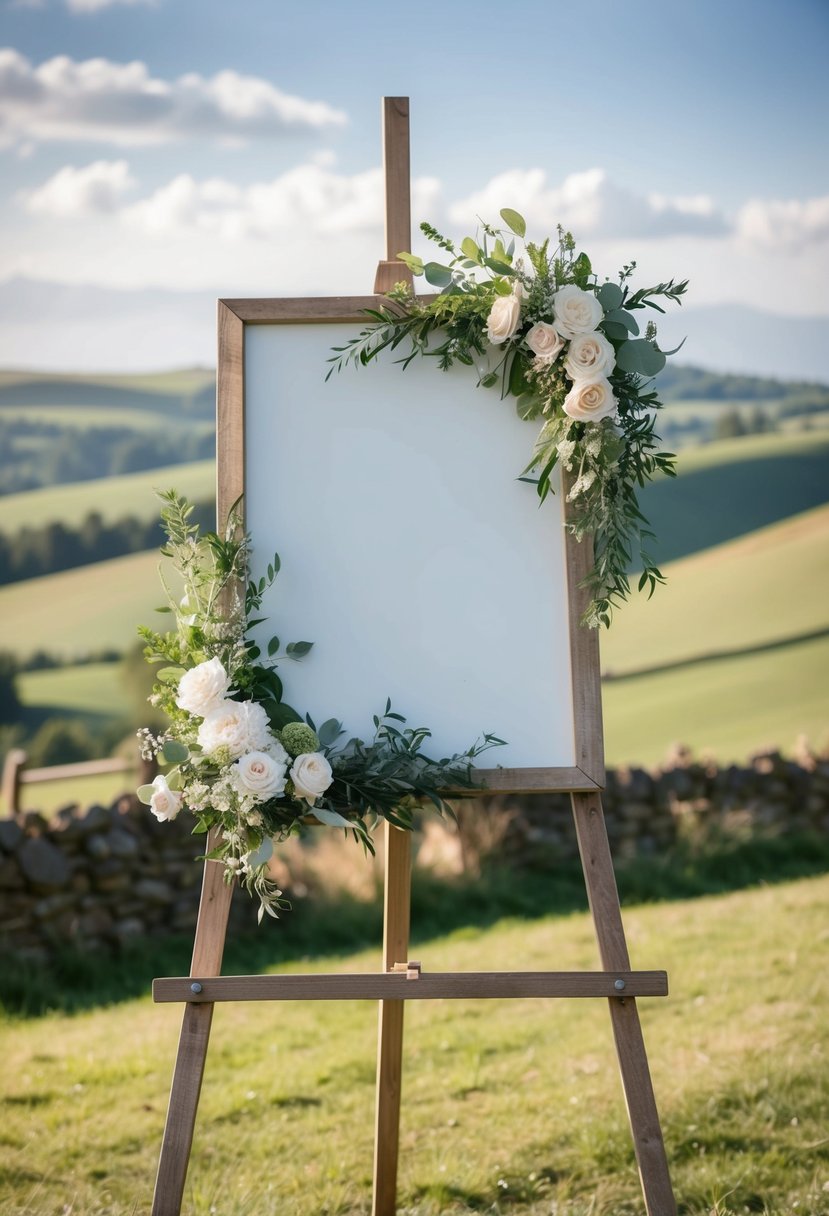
[[413, 558]]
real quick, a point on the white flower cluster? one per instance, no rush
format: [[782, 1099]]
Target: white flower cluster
[[590, 358], [236, 736]]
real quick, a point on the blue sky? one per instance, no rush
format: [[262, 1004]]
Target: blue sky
[[235, 148]]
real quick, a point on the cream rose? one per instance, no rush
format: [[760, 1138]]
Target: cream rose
[[545, 342], [202, 688], [259, 774], [504, 318], [311, 775], [165, 803], [239, 726], [576, 311], [590, 400], [589, 357]]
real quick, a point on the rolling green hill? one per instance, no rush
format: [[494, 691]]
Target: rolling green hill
[[726, 489], [82, 611], [151, 391], [112, 497]]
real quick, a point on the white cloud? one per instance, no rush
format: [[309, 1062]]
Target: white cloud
[[590, 204], [792, 224], [93, 6], [121, 103], [95, 189], [309, 199]]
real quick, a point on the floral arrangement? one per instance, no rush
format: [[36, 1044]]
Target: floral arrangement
[[569, 350], [245, 762]]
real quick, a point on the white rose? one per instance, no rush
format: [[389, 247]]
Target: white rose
[[545, 342], [590, 357], [590, 400], [504, 318], [202, 688], [165, 803], [576, 311], [258, 773], [240, 726], [311, 775]]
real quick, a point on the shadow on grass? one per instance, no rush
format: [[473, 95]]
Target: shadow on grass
[[73, 981]]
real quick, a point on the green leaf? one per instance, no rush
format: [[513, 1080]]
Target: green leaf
[[273, 646], [640, 357], [498, 266], [619, 317], [615, 331], [528, 406], [610, 296], [175, 752], [582, 269], [296, 650], [515, 222], [169, 675], [471, 250], [281, 714], [414, 264], [437, 275], [144, 793], [518, 382], [332, 818], [329, 732]]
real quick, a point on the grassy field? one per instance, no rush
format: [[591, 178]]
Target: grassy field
[[112, 497], [83, 611], [728, 709], [766, 587], [509, 1107]]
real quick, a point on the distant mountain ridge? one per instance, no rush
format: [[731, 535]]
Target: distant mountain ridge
[[71, 328]]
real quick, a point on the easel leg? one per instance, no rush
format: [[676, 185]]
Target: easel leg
[[211, 927], [630, 1047], [396, 903]]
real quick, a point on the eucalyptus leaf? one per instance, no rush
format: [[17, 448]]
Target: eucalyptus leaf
[[515, 222], [615, 331], [619, 317], [437, 275], [175, 752], [144, 794], [640, 357], [610, 296], [296, 650]]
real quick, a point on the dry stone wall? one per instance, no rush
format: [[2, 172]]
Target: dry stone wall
[[102, 877]]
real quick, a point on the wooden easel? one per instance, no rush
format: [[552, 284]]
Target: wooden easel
[[401, 980]]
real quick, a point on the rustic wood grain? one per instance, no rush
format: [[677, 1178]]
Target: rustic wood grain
[[396, 172], [392, 988], [211, 927], [627, 1032], [397, 887], [585, 667]]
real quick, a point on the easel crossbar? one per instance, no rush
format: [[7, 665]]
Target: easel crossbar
[[472, 985]]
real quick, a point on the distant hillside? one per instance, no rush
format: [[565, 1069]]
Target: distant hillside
[[727, 489], [681, 382], [188, 390]]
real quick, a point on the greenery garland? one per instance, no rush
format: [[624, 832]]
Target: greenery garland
[[243, 760], [542, 328]]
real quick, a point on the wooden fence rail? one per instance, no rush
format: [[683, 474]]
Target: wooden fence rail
[[16, 774]]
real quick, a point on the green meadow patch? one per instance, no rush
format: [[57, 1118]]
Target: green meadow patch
[[111, 497], [508, 1107], [726, 489]]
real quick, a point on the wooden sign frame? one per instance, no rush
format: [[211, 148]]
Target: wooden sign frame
[[401, 980]]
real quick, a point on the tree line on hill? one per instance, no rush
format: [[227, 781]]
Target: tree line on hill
[[34, 453], [36, 551], [687, 383]]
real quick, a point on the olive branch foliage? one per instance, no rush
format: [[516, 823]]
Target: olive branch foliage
[[608, 460]]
